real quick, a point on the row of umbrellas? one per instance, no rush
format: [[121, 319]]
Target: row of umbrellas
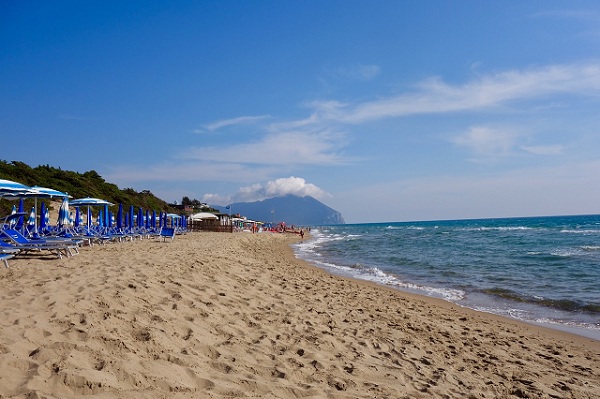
[[13, 190]]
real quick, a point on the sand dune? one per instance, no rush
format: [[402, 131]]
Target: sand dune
[[214, 315]]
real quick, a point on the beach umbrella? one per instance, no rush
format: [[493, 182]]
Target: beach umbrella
[[89, 202], [140, 217], [31, 220], [77, 217], [147, 219], [63, 213], [106, 215], [13, 221], [120, 217], [153, 223], [43, 192], [11, 188], [131, 216], [100, 218], [43, 221]]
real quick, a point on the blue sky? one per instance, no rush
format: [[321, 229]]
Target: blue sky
[[383, 110]]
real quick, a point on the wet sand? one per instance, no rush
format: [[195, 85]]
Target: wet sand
[[216, 315]]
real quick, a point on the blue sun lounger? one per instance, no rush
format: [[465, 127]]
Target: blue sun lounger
[[167, 232], [4, 257], [68, 247]]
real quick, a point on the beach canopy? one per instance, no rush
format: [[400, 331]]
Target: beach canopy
[[203, 216], [9, 187], [88, 201]]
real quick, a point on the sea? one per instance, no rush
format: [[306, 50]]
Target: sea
[[540, 270]]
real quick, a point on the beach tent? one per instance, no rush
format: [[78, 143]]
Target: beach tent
[[203, 216]]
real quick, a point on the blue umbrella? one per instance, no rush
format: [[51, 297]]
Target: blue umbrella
[[77, 217], [63, 214], [43, 216], [153, 223], [120, 217], [147, 219], [43, 192], [99, 219], [131, 216], [31, 220], [13, 221], [140, 217], [11, 188], [106, 215]]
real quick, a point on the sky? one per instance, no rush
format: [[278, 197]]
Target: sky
[[383, 110]]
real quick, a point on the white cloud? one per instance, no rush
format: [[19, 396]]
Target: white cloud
[[359, 72], [436, 96], [287, 148], [488, 141], [544, 149], [216, 199], [280, 187], [242, 120]]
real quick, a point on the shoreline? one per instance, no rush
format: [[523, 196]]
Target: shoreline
[[564, 332], [215, 315]]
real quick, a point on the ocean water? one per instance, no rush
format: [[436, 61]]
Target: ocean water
[[543, 270]]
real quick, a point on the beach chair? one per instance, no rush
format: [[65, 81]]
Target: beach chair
[[68, 247], [167, 233], [5, 257]]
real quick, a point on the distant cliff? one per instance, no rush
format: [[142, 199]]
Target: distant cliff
[[302, 211]]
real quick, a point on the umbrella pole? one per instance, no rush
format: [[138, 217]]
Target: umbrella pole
[[35, 224]]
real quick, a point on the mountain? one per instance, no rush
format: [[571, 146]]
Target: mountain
[[291, 209]]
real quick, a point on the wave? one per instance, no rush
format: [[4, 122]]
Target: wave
[[561, 304], [583, 231]]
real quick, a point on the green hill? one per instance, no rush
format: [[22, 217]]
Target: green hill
[[78, 185]]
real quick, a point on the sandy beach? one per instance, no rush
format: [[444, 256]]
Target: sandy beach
[[216, 315]]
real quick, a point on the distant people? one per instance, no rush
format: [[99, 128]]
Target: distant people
[[302, 234]]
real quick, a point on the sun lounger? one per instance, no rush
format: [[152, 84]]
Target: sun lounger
[[68, 247], [167, 232], [5, 257]]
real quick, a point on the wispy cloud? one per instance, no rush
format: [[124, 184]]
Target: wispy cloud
[[433, 95], [241, 120], [487, 141], [359, 72], [544, 149], [285, 148]]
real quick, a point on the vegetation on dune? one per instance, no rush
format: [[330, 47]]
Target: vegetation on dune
[[78, 185]]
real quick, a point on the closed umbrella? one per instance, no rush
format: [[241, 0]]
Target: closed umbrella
[[131, 216], [43, 224], [13, 221], [120, 217], [31, 220], [140, 218], [63, 214], [77, 218]]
